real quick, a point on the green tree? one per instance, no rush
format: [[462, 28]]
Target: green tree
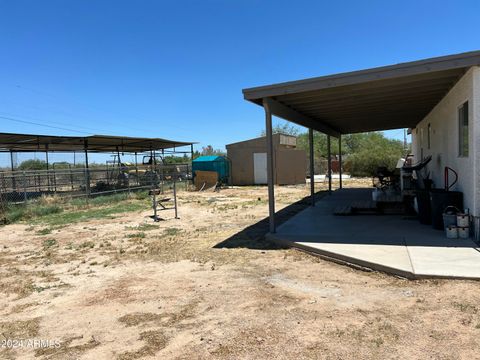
[[176, 159], [283, 128], [362, 153], [209, 150], [33, 164]]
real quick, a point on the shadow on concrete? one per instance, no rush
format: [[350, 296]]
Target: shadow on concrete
[[253, 237], [319, 225]]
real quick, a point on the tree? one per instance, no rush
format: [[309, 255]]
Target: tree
[[362, 153], [176, 159], [283, 128], [209, 150], [33, 164]]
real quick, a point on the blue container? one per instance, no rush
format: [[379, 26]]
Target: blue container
[[219, 164]]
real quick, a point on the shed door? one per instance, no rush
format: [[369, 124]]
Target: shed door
[[260, 168]]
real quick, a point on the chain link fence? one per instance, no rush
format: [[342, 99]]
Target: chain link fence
[[23, 186]]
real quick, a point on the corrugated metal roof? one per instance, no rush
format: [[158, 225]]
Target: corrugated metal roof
[[94, 143], [389, 97]]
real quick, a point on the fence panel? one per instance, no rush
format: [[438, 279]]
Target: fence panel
[[23, 186]]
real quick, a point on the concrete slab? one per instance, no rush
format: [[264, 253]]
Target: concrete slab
[[387, 243]]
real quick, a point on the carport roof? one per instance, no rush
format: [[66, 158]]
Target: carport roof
[[93, 143], [383, 98]]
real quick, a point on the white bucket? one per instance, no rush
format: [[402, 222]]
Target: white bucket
[[463, 220], [464, 232], [451, 232]]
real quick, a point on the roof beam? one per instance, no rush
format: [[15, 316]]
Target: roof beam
[[347, 95], [437, 64], [415, 81], [381, 101], [284, 112]]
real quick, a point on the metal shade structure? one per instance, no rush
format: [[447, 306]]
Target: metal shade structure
[[382, 98], [95, 143]]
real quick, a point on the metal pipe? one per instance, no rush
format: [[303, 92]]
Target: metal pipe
[[329, 164], [270, 165], [25, 187], [48, 167], [175, 195], [136, 168], [340, 159], [14, 183], [312, 169], [87, 171]]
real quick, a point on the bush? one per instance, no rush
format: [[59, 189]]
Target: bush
[[33, 164], [365, 163]]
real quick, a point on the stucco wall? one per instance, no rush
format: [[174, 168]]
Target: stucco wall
[[476, 143], [289, 163], [443, 120]]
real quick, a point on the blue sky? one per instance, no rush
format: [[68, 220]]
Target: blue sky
[[175, 69]]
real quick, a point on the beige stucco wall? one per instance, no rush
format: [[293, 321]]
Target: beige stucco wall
[[289, 163], [444, 138]]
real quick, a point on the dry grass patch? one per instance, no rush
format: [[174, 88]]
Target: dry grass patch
[[20, 329], [154, 340]]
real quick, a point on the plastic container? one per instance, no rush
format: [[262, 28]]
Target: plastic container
[[463, 220], [439, 200], [450, 216], [451, 232], [463, 232]]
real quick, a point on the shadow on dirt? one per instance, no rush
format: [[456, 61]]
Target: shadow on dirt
[[253, 237]]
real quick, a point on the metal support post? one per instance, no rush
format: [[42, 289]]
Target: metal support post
[[136, 169], [48, 168], [312, 169], [175, 195], [270, 166], [329, 164], [25, 197], [340, 159], [87, 171], [14, 185]]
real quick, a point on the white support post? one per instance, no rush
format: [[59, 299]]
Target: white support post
[[270, 166]]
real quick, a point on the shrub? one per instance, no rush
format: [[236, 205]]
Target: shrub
[[365, 163]]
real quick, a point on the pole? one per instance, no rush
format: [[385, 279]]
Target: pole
[[136, 168], [340, 159], [25, 187], [48, 168], [87, 171], [270, 165], [163, 171], [14, 185], [175, 195], [191, 163], [312, 169], [152, 186], [329, 166]]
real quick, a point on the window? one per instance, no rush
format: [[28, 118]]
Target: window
[[429, 134], [463, 130]]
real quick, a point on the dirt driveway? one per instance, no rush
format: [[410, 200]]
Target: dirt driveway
[[209, 286]]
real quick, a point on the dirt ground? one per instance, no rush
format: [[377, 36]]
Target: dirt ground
[[208, 285]]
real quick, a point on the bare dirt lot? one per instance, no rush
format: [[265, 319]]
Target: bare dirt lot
[[209, 286]]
